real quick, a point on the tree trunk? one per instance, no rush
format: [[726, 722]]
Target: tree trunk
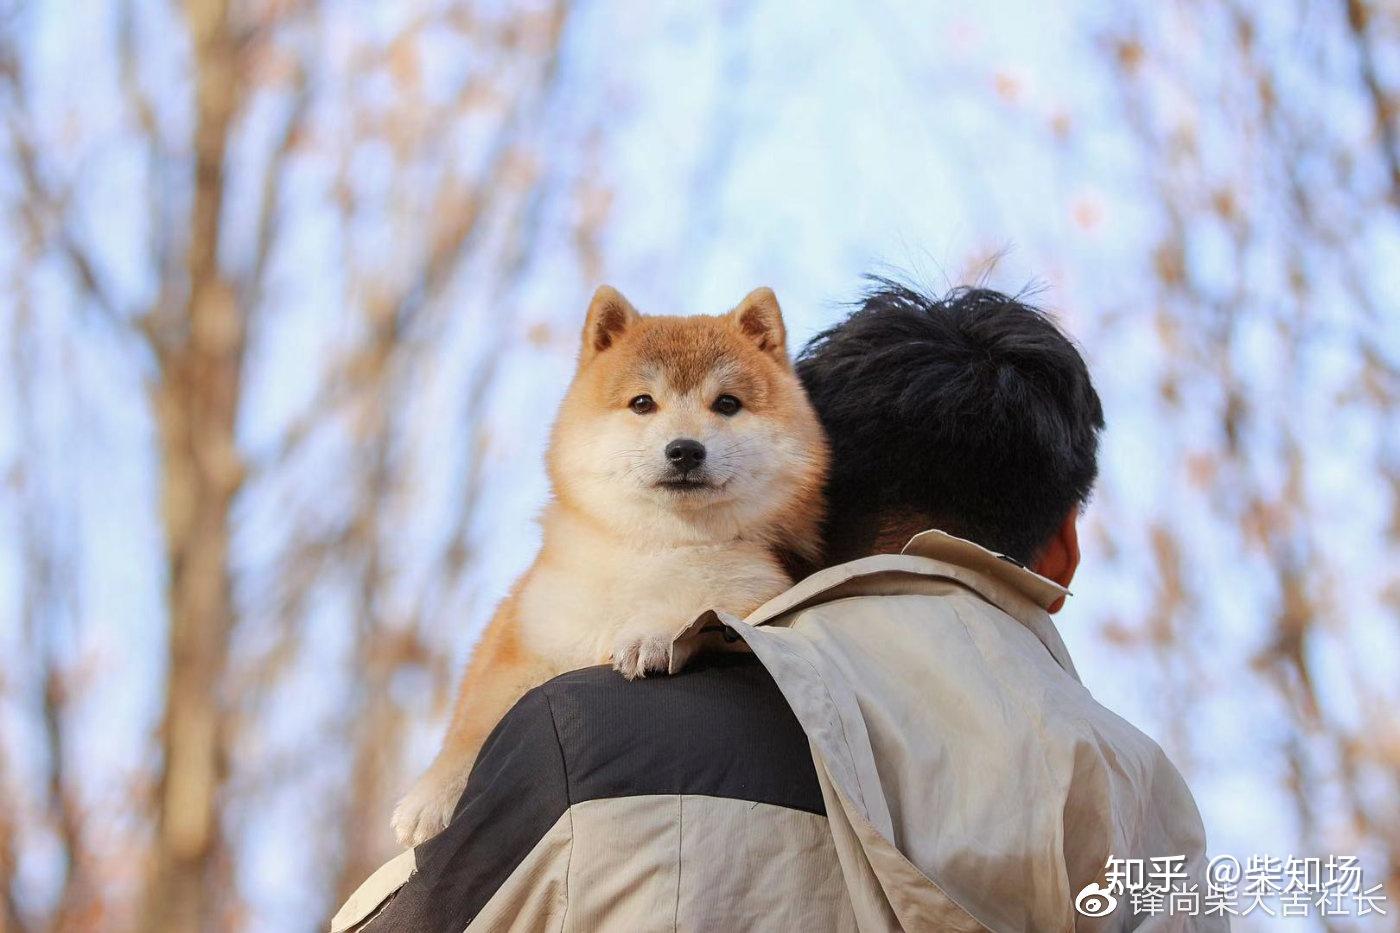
[[200, 355]]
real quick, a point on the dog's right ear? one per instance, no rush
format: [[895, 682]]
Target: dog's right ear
[[609, 316]]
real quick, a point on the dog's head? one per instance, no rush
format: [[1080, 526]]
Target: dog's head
[[699, 421]]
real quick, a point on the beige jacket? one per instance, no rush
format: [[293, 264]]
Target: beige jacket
[[969, 780]]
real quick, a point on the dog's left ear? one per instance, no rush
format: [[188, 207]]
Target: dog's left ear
[[759, 318]]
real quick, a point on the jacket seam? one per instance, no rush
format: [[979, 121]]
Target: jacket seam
[[569, 805], [680, 849], [1043, 746], [559, 744], [860, 791], [568, 873], [831, 703]]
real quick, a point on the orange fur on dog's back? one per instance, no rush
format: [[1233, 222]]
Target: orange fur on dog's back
[[685, 459]]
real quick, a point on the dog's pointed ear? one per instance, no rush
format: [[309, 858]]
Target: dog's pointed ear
[[759, 318], [609, 316]]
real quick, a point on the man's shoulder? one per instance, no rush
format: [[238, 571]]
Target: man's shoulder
[[719, 728]]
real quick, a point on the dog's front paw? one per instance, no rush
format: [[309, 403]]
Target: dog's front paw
[[426, 810], [638, 655]]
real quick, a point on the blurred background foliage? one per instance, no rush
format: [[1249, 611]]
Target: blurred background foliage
[[291, 288]]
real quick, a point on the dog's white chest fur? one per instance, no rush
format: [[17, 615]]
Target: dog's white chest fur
[[590, 598]]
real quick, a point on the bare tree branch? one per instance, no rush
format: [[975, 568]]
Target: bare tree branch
[[1382, 107]]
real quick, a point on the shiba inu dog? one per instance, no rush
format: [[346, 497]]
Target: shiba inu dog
[[685, 460]]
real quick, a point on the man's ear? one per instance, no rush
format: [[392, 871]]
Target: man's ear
[[759, 318], [609, 316], [1060, 558]]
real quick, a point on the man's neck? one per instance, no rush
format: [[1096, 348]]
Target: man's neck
[[865, 535]]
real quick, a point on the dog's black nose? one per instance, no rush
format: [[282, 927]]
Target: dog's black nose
[[685, 453]]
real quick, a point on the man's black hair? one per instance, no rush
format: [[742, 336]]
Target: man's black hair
[[973, 412]]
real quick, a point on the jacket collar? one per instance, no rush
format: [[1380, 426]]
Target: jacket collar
[[939, 545], [1019, 592]]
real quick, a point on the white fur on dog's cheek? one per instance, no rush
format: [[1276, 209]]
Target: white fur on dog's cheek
[[749, 452], [613, 447], [761, 464], [610, 463]]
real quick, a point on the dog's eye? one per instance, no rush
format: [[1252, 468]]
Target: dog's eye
[[727, 405], [642, 404]]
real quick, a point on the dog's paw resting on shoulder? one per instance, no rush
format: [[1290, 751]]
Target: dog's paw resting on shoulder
[[427, 808], [636, 654]]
